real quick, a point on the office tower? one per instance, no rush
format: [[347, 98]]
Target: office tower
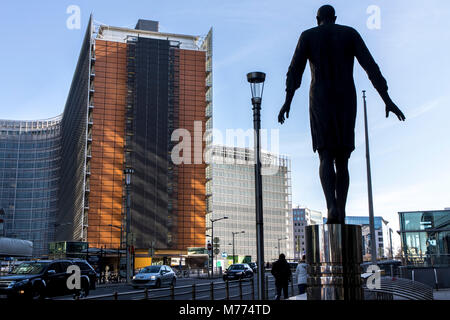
[[383, 235], [233, 195], [131, 90], [29, 176]]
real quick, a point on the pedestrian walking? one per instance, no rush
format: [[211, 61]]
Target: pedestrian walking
[[301, 275], [282, 273]]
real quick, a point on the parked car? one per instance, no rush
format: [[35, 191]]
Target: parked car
[[46, 278], [238, 271], [154, 276], [253, 266]]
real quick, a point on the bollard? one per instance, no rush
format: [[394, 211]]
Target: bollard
[[211, 290], [253, 288], [334, 256], [146, 294], [436, 279], [292, 287], [240, 289], [115, 295], [193, 291], [267, 287], [227, 290], [172, 292]]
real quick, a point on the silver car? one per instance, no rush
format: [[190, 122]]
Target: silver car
[[154, 276]]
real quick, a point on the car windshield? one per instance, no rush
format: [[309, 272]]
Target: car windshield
[[151, 269], [30, 268], [236, 267]]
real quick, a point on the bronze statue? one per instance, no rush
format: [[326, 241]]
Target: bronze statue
[[330, 49]]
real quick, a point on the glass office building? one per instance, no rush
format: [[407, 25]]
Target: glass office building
[[233, 195], [29, 176], [383, 233], [132, 88], [425, 237]]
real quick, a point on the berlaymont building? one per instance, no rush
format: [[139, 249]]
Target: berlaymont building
[[62, 179]]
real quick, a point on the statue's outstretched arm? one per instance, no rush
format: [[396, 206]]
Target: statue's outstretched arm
[[366, 61], [294, 77]]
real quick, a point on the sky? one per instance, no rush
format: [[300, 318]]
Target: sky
[[409, 39]]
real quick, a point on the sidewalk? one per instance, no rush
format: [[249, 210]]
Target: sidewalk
[[298, 297], [441, 294]]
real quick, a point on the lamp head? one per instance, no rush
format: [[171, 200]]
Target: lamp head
[[128, 172], [256, 80]]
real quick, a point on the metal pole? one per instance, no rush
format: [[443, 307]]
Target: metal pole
[[233, 248], [127, 232], [279, 247], [258, 197], [369, 188], [120, 251], [212, 249]]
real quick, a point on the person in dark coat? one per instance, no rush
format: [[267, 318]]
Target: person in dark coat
[[330, 49], [282, 274]]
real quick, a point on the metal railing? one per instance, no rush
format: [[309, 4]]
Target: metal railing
[[403, 288], [226, 290]]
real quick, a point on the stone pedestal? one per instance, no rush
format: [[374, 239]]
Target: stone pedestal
[[334, 255]]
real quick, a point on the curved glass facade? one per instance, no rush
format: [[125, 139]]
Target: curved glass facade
[[426, 237], [29, 176]]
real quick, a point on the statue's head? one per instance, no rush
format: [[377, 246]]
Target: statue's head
[[326, 15]]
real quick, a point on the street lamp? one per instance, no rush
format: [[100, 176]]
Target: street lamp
[[212, 242], [256, 80], [120, 245], [2, 223], [285, 238], [128, 173], [235, 233]]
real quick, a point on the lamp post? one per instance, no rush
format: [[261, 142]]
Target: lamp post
[[120, 245], [285, 238], [2, 223], [373, 244], [256, 80], [212, 242], [235, 233], [128, 172]]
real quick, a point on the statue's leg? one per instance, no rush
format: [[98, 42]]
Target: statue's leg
[[342, 184], [328, 180]]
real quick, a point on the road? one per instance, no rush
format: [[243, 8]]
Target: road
[[184, 290]]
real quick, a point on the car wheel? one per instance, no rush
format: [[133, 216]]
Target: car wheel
[[84, 289], [36, 293], [158, 283]]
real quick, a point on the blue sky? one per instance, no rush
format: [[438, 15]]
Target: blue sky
[[410, 160]]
